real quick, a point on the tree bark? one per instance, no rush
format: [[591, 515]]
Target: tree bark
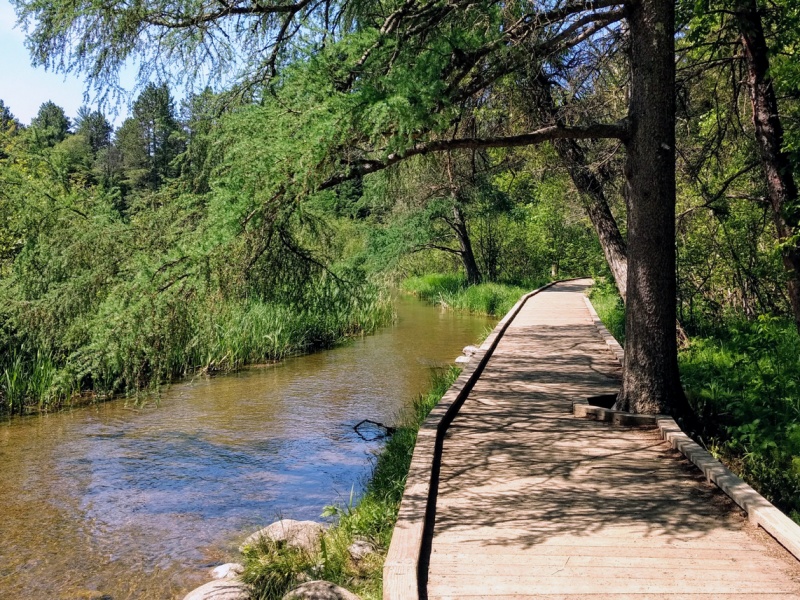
[[650, 377], [596, 206], [458, 225], [592, 192], [781, 186]]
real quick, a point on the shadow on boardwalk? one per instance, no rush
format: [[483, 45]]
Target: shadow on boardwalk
[[533, 502]]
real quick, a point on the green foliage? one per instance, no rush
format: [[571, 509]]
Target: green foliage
[[609, 307], [100, 295], [743, 379], [50, 124], [452, 291], [273, 568]]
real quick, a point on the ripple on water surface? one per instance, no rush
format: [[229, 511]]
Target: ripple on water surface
[[136, 503]]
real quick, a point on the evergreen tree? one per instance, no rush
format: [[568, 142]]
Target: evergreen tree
[[93, 126], [51, 124]]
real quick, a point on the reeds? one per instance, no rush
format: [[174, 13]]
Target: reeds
[[163, 338], [452, 291]]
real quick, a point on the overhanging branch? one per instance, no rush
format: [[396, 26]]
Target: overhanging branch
[[618, 130]]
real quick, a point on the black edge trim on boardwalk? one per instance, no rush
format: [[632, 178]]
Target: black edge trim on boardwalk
[[444, 424]]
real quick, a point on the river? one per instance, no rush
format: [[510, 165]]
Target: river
[[123, 501]]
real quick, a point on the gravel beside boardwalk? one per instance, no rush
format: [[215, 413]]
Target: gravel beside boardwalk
[[535, 503]]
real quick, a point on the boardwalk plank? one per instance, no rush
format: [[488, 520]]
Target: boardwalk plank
[[533, 503]]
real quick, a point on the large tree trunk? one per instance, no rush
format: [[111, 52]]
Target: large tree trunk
[[650, 377], [459, 225], [591, 189], [781, 187]]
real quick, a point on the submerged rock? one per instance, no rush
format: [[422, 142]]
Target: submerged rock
[[320, 590], [227, 571], [297, 534], [222, 589]]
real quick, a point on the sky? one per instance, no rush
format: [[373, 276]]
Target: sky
[[23, 88]]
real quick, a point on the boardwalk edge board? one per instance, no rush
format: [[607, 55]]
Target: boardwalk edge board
[[401, 570], [760, 511]]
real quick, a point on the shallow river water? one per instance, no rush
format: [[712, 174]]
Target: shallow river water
[[119, 502]]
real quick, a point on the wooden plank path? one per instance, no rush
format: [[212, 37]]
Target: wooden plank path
[[535, 503]]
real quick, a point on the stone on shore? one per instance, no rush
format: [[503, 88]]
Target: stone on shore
[[360, 549], [470, 350], [227, 571], [320, 590], [222, 589], [297, 534]]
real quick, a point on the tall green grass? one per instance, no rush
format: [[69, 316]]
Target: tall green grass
[[453, 291], [609, 307], [139, 345], [743, 380], [272, 569]]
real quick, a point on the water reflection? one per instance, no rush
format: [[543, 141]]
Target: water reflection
[[137, 502]]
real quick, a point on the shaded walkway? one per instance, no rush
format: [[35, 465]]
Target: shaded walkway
[[534, 503]]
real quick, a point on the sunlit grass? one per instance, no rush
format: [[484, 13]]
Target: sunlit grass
[[452, 291]]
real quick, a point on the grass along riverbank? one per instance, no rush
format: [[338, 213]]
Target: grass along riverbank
[[453, 291], [742, 377], [162, 338], [272, 568]]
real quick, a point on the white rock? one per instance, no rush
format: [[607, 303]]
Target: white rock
[[298, 534], [462, 360], [320, 590], [222, 589], [470, 350], [227, 570], [360, 549]]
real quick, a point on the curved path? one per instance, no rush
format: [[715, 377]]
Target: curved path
[[535, 503]]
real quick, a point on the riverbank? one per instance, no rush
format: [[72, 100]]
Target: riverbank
[[452, 291], [273, 569], [211, 337], [741, 377]]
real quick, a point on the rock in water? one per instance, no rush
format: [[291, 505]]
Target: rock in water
[[320, 590], [227, 571], [298, 534], [462, 360], [470, 350], [222, 589]]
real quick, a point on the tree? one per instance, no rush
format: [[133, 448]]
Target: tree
[[732, 36], [50, 124], [93, 126], [589, 183], [393, 88], [7, 119]]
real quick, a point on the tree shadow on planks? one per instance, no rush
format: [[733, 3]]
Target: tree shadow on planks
[[519, 470]]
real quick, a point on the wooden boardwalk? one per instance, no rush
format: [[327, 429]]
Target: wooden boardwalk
[[535, 503]]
